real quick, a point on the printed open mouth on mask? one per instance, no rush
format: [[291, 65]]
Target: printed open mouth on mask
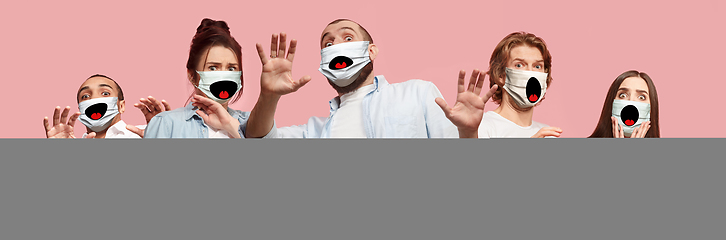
[[223, 89], [96, 111], [342, 63], [630, 114], [526, 87], [220, 86]]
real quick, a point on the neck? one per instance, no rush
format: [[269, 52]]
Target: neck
[[521, 117], [369, 80], [102, 133]]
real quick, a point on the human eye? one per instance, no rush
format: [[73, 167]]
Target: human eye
[[641, 97], [84, 96], [105, 93], [623, 95], [328, 44], [212, 68], [538, 67], [231, 69], [348, 38], [519, 65]]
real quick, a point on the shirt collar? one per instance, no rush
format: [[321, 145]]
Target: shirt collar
[[117, 129], [191, 111]]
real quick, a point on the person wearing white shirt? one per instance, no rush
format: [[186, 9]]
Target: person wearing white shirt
[[367, 106], [96, 87], [520, 72]]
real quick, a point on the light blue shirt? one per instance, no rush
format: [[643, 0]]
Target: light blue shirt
[[399, 110], [184, 123]]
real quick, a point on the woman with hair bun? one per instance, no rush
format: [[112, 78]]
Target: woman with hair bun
[[214, 68], [630, 109]]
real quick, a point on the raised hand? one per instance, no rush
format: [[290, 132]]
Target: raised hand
[[548, 132], [638, 132], [469, 107], [215, 115], [136, 130], [150, 107], [61, 128], [276, 77]]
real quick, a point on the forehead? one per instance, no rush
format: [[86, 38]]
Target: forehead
[[634, 83], [221, 54], [336, 27], [525, 52], [95, 81]]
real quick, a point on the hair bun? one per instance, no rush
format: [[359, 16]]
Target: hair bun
[[209, 23]]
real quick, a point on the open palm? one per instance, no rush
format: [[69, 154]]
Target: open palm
[[276, 74], [61, 128], [468, 110]]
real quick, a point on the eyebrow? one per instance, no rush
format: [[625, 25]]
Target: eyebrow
[[626, 89], [328, 33], [217, 63], [88, 87], [519, 59]]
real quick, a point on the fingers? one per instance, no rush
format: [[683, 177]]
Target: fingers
[[91, 135], [167, 107], [461, 88], [620, 131], [283, 42], [273, 46], [72, 120], [615, 126], [157, 104], [135, 130], [491, 92], [56, 116], [47, 125], [64, 116], [291, 52], [261, 53], [445, 107], [635, 134], [548, 131], [303, 80], [479, 81], [472, 80], [142, 108], [203, 115]]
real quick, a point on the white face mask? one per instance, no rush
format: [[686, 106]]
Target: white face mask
[[220, 86], [527, 88], [630, 114], [341, 63], [97, 113]]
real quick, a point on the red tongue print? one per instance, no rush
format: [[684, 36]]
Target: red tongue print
[[629, 122], [532, 98], [340, 65], [96, 116], [223, 95]]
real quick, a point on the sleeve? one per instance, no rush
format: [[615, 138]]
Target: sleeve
[[437, 124], [312, 129], [158, 127], [272, 134]]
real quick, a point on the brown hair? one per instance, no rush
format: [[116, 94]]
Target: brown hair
[[120, 92], [604, 128], [212, 33], [500, 57], [366, 35]]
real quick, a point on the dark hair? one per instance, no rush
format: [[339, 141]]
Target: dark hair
[[604, 128], [212, 33], [500, 57], [366, 35], [120, 92]]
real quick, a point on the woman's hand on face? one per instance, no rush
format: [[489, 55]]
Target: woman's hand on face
[[548, 132], [468, 110], [276, 77], [640, 132], [215, 115], [150, 107], [61, 128], [617, 128]]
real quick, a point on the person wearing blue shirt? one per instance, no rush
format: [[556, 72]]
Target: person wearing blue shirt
[[214, 68], [367, 106]]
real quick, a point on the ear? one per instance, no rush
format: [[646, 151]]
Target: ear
[[121, 106], [372, 51], [190, 75]]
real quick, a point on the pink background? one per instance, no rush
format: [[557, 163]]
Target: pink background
[[50, 47]]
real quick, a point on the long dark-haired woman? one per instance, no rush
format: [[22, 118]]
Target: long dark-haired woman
[[630, 108], [214, 68]]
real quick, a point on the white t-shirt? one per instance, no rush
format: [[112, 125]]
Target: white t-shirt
[[119, 130], [348, 119], [221, 133], [494, 125]]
